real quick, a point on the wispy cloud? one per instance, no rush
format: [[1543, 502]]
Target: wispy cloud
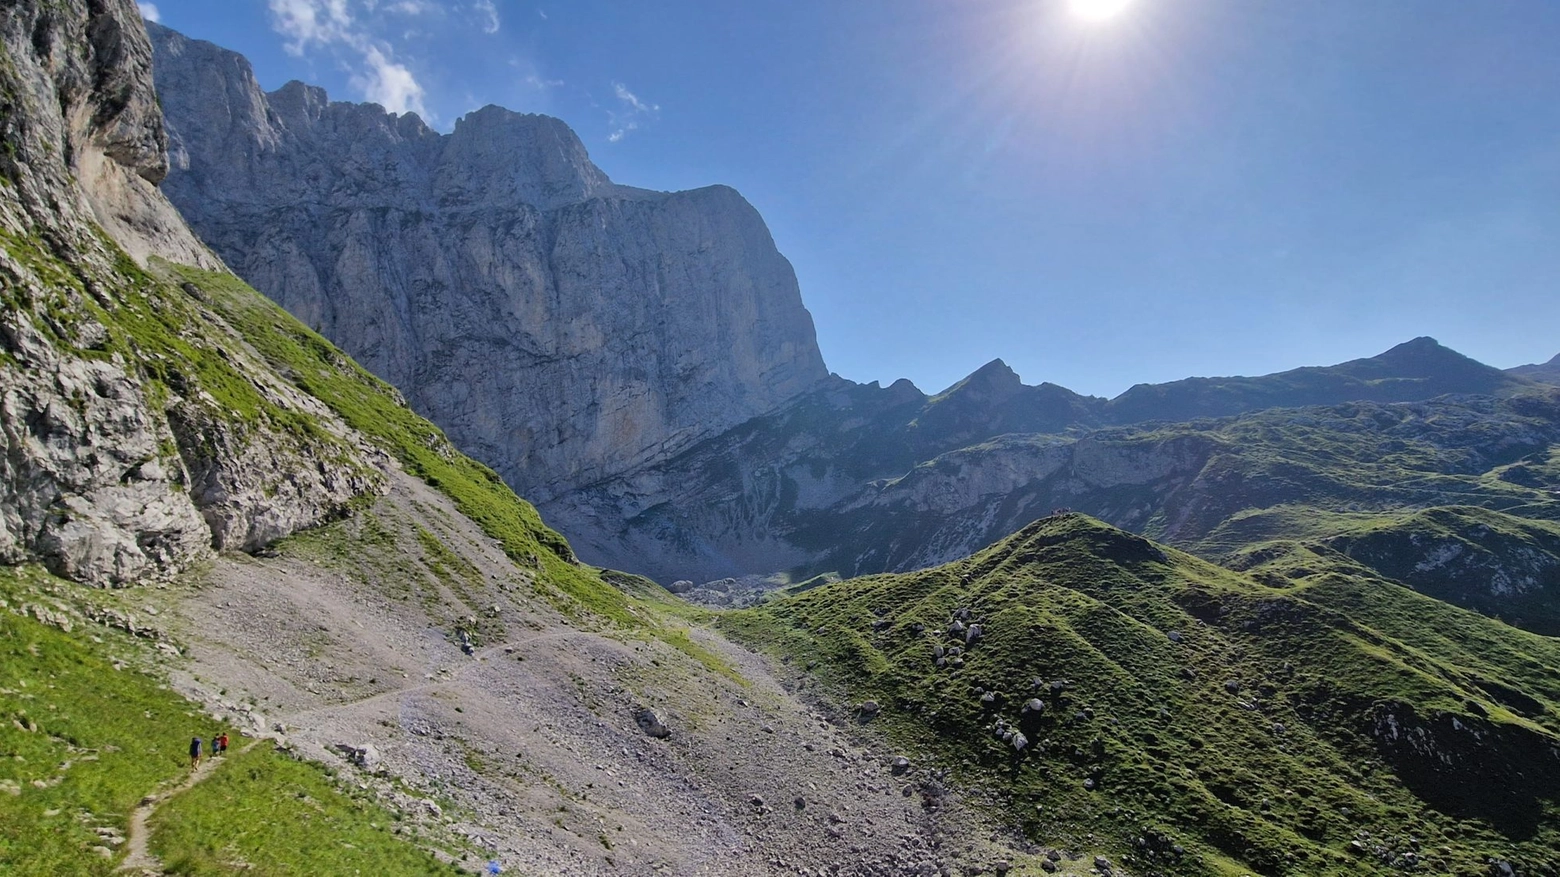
[[411, 7], [541, 84], [372, 69], [487, 15], [149, 11], [629, 113]]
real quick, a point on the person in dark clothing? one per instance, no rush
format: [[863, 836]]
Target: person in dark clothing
[[195, 752]]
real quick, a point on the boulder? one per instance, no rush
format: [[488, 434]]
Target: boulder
[[650, 723]]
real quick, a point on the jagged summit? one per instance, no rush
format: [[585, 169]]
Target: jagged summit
[[993, 377], [560, 327]]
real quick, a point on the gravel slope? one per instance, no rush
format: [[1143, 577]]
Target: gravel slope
[[529, 747]]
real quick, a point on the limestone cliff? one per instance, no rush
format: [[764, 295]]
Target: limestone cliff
[[558, 326], [137, 432]]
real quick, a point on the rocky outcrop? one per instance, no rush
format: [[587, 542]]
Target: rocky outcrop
[[139, 432], [83, 132], [85, 484], [559, 327]]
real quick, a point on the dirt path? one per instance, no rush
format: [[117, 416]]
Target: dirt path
[[453, 674], [139, 856]]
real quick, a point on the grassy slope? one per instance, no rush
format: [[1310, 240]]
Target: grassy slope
[[1501, 565], [591, 598], [372, 407], [263, 812], [1278, 772], [87, 730]]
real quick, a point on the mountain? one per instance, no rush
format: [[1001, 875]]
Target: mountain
[[857, 479], [640, 363], [1498, 564], [416, 674], [560, 327], [419, 676], [1178, 718], [1412, 371], [1548, 372]]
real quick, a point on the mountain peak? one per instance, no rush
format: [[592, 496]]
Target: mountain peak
[[1423, 357], [994, 376], [1418, 348]]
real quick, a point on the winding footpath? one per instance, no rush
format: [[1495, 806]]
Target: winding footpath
[[138, 857]]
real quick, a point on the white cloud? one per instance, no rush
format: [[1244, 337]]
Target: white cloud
[[149, 11], [389, 84], [633, 100], [307, 22], [329, 24], [488, 14], [541, 84], [542, 13], [630, 113]]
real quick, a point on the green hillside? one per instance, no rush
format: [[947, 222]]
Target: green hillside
[[1315, 724], [1498, 564]]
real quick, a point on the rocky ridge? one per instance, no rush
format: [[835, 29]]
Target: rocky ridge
[[560, 327], [1542, 371], [859, 479]]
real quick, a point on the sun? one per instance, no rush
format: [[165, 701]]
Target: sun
[[1098, 10]]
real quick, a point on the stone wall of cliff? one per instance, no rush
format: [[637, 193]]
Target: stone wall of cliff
[[558, 326], [137, 432]]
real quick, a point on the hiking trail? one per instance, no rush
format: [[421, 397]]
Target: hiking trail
[[138, 856]]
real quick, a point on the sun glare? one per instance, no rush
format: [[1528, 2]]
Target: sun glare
[[1098, 10]]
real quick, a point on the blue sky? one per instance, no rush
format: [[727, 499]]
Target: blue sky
[[1193, 187]]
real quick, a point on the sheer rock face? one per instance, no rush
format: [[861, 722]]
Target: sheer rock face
[[558, 326], [109, 474], [84, 134]]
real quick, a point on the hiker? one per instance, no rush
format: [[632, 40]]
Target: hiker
[[219, 745], [195, 753]]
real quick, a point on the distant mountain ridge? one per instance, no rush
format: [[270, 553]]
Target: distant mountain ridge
[[1410, 372], [856, 479], [560, 327], [1543, 371]]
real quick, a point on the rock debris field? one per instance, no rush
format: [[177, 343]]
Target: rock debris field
[[552, 749]]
